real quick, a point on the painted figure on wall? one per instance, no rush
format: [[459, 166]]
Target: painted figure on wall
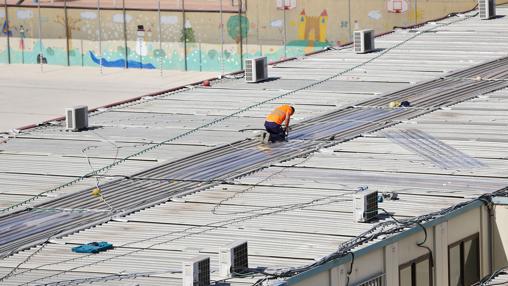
[[22, 36], [22, 45], [397, 6], [141, 48], [120, 63], [72, 24], [6, 29], [188, 34], [238, 27], [286, 4], [313, 28]]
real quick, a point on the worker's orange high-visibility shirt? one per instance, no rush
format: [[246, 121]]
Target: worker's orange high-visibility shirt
[[278, 115]]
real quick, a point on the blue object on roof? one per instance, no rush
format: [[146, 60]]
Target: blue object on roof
[[93, 247]]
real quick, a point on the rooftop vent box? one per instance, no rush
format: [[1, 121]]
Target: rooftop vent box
[[76, 118], [364, 41], [256, 69], [487, 9], [233, 258], [365, 205], [196, 272]]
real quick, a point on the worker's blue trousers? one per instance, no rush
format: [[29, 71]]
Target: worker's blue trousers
[[276, 131]]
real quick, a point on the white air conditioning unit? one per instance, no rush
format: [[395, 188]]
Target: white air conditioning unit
[[364, 41], [256, 69], [76, 118], [233, 258], [365, 205], [196, 272], [487, 9]]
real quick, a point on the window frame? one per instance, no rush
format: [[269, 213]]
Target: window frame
[[413, 263], [460, 243]]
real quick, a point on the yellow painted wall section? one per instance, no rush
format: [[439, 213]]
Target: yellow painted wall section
[[362, 268], [485, 241], [338, 275], [392, 264], [463, 226], [321, 279], [367, 266], [500, 239], [441, 254]]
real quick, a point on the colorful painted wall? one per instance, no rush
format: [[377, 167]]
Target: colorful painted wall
[[200, 40]]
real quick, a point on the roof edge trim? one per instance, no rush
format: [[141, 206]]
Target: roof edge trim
[[500, 201]]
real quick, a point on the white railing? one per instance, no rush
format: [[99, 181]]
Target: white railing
[[374, 281]]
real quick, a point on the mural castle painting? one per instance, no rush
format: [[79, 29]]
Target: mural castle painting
[[313, 28]]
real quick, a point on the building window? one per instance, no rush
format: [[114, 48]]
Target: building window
[[416, 273], [464, 261]]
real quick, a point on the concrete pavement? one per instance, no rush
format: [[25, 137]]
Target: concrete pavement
[[29, 96]]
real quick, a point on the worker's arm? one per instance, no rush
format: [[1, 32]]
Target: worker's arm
[[287, 121]]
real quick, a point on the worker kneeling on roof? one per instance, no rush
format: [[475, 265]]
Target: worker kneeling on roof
[[274, 120]]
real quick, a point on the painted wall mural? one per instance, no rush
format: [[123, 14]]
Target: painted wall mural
[[313, 28], [6, 29], [286, 4], [238, 27], [397, 6], [120, 63], [276, 29]]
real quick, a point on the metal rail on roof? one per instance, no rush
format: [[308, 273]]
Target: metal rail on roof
[[201, 171]]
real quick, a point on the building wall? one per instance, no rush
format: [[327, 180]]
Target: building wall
[[192, 40], [387, 259], [500, 239]]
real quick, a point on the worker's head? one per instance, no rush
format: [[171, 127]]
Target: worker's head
[[292, 110]]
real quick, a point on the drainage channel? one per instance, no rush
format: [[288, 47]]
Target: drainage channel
[[160, 184]]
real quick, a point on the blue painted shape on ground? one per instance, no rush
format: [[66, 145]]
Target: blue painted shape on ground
[[120, 63], [93, 247]]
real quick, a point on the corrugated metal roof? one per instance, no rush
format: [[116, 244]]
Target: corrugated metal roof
[[292, 213], [500, 279]]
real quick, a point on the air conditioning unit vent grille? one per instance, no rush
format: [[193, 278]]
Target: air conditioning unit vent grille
[[233, 258], [196, 272], [363, 41], [358, 42], [487, 9], [76, 118], [367, 40], [483, 9], [248, 70], [204, 273], [241, 258], [256, 69], [68, 120], [365, 205]]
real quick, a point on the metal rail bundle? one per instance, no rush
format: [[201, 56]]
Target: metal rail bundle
[[128, 194]]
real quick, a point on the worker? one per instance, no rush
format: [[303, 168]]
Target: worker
[[274, 120]]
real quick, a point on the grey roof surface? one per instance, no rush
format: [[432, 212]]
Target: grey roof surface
[[41, 96], [501, 279], [292, 212]]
